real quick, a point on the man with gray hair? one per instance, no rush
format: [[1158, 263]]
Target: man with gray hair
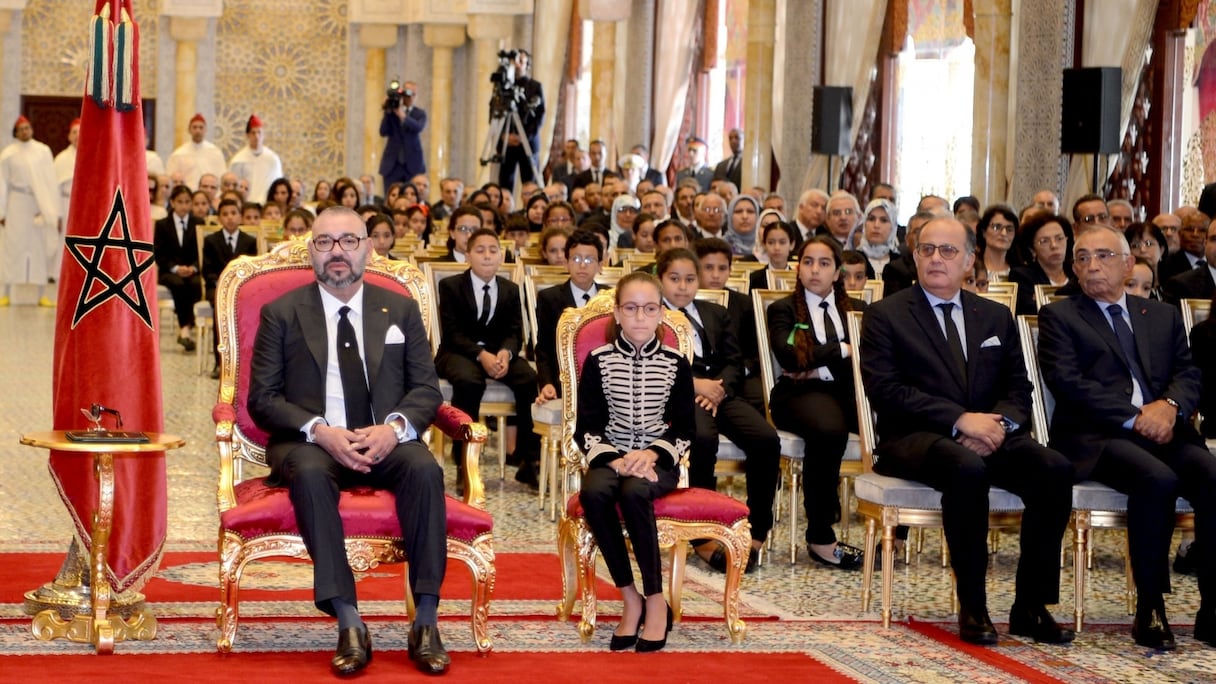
[[1122, 214], [843, 215], [811, 215], [709, 212]]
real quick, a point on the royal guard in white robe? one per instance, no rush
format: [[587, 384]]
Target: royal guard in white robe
[[29, 206], [256, 163], [65, 168], [196, 156]]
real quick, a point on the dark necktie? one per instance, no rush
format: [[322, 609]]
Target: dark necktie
[[953, 339], [232, 243], [734, 164], [595, 176], [830, 334], [1201, 263], [586, 298], [1127, 341], [484, 319], [354, 381], [696, 325]]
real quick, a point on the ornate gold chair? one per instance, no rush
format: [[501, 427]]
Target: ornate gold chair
[[257, 521], [683, 515]]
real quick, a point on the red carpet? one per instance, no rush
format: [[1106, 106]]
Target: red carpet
[[986, 654], [600, 668]]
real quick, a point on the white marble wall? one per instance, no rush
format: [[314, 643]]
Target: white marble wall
[[799, 43]]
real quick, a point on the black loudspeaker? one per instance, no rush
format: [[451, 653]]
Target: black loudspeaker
[[832, 122], [1089, 116]]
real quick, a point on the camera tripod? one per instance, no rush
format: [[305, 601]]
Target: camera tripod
[[503, 125]]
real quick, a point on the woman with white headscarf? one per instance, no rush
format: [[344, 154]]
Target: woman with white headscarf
[[625, 210], [876, 236], [742, 221]]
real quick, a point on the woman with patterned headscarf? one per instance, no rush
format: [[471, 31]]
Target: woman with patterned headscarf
[[876, 236]]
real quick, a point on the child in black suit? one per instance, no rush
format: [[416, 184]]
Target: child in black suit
[[219, 248]]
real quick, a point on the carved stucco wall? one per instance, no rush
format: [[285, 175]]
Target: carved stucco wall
[[55, 35]]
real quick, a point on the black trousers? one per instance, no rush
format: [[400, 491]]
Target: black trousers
[[515, 155], [315, 480], [602, 493], [185, 291], [747, 428], [468, 380], [822, 414], [1153, 476], [1041, 477]]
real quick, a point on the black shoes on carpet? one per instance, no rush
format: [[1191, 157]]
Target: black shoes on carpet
[[1150, 628], [624, 643], [354, 650], [650, 646], [427, 651], [186, 343], [1038, 624], [717, 560], [844, 557], [976, 628]]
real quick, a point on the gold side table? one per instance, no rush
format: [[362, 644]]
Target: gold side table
[[98, 627]]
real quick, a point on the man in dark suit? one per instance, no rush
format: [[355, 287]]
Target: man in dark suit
[[402, 126], [943, 369], [1198, 282], [343, 381], [1120, 370], [598, 169], [482, 323], [175, 243], [531, 116], [565, 170], [584, 253], [1191, 242], [696, 169], [219, 248], [731, 168], [900, 273]]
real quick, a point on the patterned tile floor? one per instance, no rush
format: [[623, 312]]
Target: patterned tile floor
[[33, 519]]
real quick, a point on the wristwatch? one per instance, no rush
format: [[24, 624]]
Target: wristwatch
[[1173, 403], [398, 426]]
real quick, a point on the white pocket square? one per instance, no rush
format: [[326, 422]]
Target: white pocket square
[[394, 336], [993, 341]]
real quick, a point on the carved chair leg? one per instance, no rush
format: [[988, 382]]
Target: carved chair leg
[[888, 572], [566, 551], [867, 563], [1079, 554], [229, 611], [675, 592]]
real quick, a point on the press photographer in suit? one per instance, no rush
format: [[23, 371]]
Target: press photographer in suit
[[531, 107], [402, 126]]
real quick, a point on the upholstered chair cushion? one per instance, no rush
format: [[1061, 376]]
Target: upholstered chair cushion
[[690, 505], [893, 491]]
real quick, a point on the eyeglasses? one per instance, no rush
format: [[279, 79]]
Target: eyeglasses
[[1051, 240], [1146, 243], [1002, 228], [1192, 230], [1104, 256], [1169, 230], [926, 250], [649, 310], [631, 210], [842, 212], [583, 260], [1095, 218], [348, 242], [559, 219], [712, 210], [465, 229]]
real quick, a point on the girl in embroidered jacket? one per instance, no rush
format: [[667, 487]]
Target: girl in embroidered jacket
[[635, 401]]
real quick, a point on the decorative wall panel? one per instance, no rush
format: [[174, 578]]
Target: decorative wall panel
[[56, 42]]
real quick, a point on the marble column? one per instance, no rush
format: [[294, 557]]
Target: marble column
[[758, 105], [603, 68], [375, 38], [800, 46], [489, 33], [549, 32], [186, 32], [442, 39], [990, 104]]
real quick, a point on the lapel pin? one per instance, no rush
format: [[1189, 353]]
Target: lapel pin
[[384, 309]]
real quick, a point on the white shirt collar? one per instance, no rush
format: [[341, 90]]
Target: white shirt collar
[[934, 300], [332, 304]]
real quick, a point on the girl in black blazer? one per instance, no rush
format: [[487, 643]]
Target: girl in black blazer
[[813, 398]]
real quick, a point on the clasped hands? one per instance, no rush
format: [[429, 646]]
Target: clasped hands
[[495, 365], [710, 393], [638, 463], [1156, 421], [358, 449], [982, 433]]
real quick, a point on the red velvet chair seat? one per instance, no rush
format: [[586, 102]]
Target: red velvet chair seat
[[691, 505], [262, 510]]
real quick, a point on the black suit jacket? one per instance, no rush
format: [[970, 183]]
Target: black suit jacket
[[1203, 346], [735, 177], [913, 384], [720, 357], [290, 356], [458, 318], [216, 253], [655, 176], [1174, 264], [1193, 284], [782, 316], [551, 302], [166, 248], [900, 273], [584, 178], [743, 318], [1089, 377]]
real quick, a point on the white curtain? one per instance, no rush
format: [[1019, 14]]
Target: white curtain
[[851, 31], [1115, 33], [678, 26]]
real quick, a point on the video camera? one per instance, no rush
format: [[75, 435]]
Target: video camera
[[394, 95], [508, 95]]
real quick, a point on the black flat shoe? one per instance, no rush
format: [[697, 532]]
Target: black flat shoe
[[624, 643], [1152, 630], [528, 474], [426, 649], [650, 646], [976, 628], [717, 559], [1038, 624], [1205, 627], [186, 343], [354, 650], [846, 557]]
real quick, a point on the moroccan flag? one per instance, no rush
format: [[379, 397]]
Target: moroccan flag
[[106, 342]]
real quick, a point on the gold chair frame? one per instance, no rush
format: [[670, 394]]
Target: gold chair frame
[[235, 448]]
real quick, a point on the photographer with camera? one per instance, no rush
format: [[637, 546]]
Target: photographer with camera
[[520, 93], [402, 125]]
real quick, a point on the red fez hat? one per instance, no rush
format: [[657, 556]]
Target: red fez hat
[[75, 122], [20, 120], [254, 122], [197, 117]]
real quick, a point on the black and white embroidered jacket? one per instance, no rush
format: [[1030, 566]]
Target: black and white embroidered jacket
[[635, 398]]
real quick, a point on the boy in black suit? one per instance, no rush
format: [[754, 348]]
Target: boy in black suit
[[584, 252], [482, 324], [175, 244], [219, 248]]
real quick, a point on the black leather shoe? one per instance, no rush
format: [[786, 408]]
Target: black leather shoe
[[1038, 624], [528, 474], [1184, 561], [427, 651], [1152, 630], [1205, 626], [622, 643], [186, 343], [846, 557], [215, 373], [650, 646], [354, 650], [976, 628], [717, 559]]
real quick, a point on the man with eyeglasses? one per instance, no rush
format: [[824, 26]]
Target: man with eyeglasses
[[843, 213], [1046, 199], [1122, 214], [709, 213], [1169, 225], [1087, 211], [944, 371], [1120, 371], [1189, 256], [342, 379], [1198, 282]]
